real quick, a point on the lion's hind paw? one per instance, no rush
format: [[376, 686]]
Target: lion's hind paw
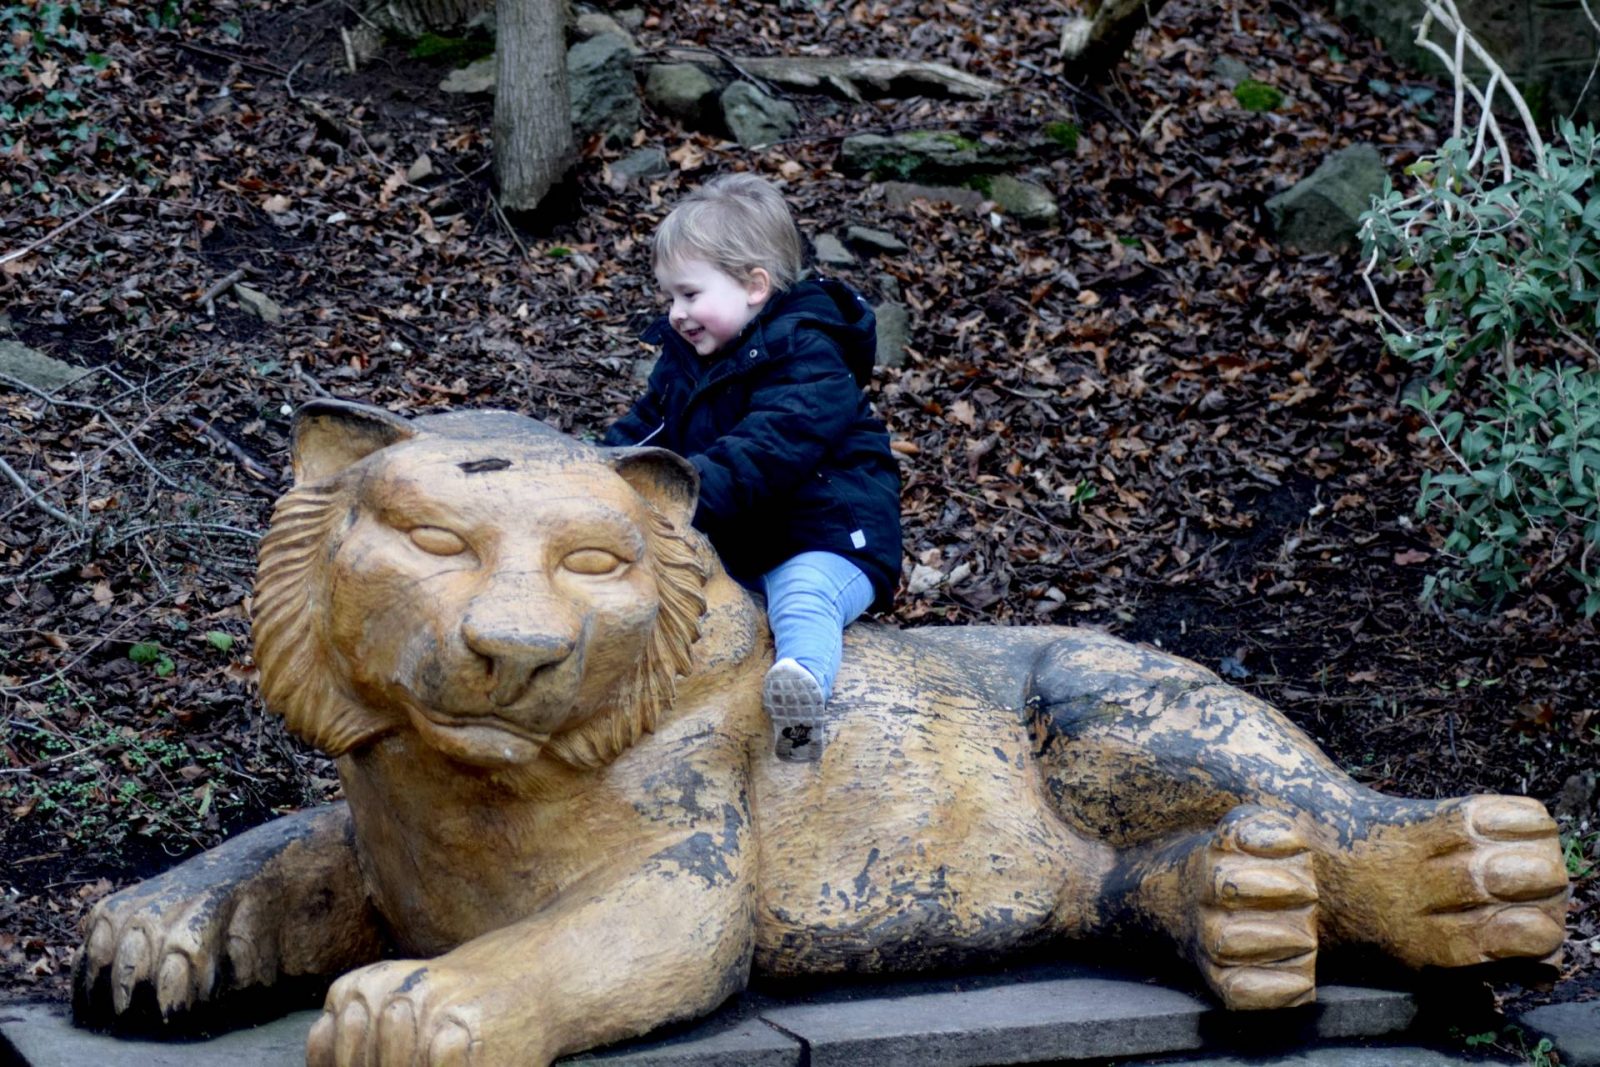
[[1257, 904], [1492, 886]]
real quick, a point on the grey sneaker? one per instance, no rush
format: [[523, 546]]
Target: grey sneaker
[[794, 702]]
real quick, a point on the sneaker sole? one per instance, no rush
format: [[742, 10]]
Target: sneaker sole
[[794, 702]]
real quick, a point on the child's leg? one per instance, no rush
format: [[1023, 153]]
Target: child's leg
[[810, 600]]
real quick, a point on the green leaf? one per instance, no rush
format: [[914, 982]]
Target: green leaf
[[222, 642], [145, 652]]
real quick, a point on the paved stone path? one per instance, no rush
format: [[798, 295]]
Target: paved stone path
[[1057, 1013]]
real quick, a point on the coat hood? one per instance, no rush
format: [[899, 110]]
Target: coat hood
[[832, 306]]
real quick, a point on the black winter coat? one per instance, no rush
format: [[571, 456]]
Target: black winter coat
[[791, 458]]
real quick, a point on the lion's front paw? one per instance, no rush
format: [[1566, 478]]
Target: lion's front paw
[[1256, 895], [418, 1013], [173, 946]]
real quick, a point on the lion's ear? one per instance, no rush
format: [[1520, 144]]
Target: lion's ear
[[330, 435], [665, 479]]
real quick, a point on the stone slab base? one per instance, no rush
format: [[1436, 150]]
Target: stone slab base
[[1046, 1014]]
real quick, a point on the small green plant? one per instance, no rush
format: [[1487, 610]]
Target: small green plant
[[456, 51], [1257, 96], [1064, 134], [222, 642], [149, 654], [1576, 850], [1513, 1041]]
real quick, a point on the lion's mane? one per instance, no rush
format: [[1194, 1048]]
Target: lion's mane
[[298, 676]]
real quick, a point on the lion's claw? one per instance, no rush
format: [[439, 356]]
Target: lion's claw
[[131, 966], [144, 943]]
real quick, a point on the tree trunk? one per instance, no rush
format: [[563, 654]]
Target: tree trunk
[[1093, 45], [533, 144]]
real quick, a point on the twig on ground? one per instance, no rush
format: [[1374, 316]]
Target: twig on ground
[[218, 289], [133, 449], [500, 214], [314, 385], [34, 496], [217, 53], [234, 449], [47, 238]]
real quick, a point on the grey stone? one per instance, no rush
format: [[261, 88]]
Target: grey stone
[[258, 304], [1028, 202], [754, 118], [902, 194], [595, 23], [649, 162], [1053, 1012], [1074, 1018], [1573, 1028], [894, 330], [641, 369], [1576, 800], [865, 237], [739, 1040], [1357, 1011], [933, 154], [1340, 1056], [831, 251], [681, 90], [37, 369], [922, 153], [1229, 71], [630, 17], [601, 88], [476, 77], [888, 285], [1321, 212], [42, 1036]]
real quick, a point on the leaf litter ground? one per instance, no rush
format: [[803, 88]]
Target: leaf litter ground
[[1149, 418]]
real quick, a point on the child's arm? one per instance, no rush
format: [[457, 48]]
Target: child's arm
[[644, 419], [808, 402]]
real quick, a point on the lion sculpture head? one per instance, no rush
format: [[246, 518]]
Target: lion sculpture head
[[499, 588]]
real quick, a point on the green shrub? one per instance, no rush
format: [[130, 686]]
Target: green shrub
[[1512, 301]]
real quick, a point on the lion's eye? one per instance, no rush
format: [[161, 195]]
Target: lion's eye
[[436, 541], [593, 561]]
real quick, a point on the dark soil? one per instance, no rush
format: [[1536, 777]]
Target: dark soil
[[1150, 418]]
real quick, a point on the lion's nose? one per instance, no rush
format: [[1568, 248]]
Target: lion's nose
[[513, 656]]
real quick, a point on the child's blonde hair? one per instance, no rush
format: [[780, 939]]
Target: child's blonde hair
[[737, 222]]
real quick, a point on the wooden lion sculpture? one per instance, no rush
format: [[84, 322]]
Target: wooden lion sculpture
[[564, 816]]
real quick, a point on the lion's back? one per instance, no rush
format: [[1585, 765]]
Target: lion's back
[[925, 818]]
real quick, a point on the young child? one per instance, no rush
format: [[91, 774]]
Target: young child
[[759, 385]]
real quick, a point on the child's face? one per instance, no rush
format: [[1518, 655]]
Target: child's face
[[710, 307]]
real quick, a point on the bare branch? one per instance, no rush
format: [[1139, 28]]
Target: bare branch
[[34, 495], [69, 224]]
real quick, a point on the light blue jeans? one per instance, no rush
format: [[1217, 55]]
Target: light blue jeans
[[811, 598]]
